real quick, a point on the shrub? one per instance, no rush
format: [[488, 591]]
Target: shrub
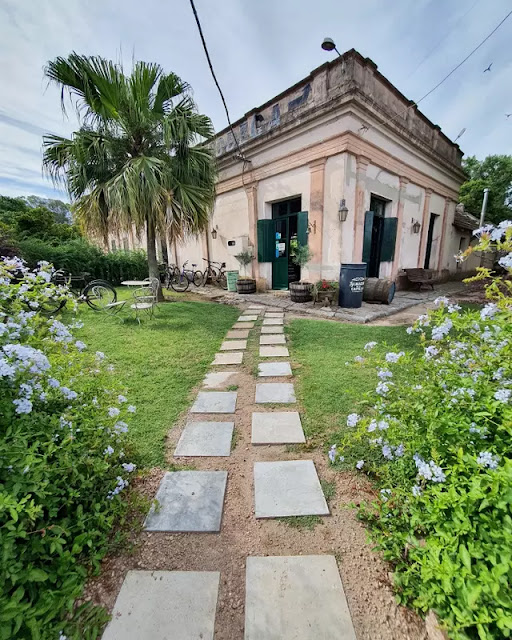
[[436, 438], [79, 256], [62, 459]]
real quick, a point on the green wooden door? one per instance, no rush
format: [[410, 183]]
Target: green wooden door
[[367, 238], [281, 253]]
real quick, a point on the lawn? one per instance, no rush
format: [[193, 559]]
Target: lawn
[[159, 361], [329, 389]]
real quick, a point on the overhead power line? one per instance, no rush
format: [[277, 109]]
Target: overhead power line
[[215, 78]]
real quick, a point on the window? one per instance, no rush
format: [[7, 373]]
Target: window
[[286, 207]]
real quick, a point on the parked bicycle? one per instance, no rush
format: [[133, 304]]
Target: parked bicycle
[[215, 274], [180, 280], [97, 294]]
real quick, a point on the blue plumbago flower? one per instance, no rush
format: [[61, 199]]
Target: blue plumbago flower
[[68, 393], [439, 332], [372, 426], [416, 491], [100, 355], [383, 374], [410, 330], [497, 232], [382, 388], [53, 383], [487, 228], [487, 459], [26, 390], [128, 466], [23, 405], [42, 396], [394, 357], [110, 367], [120, 427], [6, 370], [423, 320], [417, 387], [332, 453], [453, 307], [384, 494], [502, 395], [489, 311], [429, 470], [81, 346], [108, 451], [341, 459], [27, 357], [64, 423], [121, 484], [369, 346], [60, 332], [121, 398], [358, 359], [383, 425], [430, 352], [360, 464], [113, 412], [352, 419], [399, 451], [131, 408], [441, 300], [62, 636], [387, 452], [506, 261], [376, 441]]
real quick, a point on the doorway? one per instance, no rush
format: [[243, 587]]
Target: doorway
[[285, 217], [379, 238], [430, 235]]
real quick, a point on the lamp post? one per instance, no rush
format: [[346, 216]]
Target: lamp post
[[329, 45]]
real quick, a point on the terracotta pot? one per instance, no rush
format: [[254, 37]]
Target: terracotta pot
[[300, 291]]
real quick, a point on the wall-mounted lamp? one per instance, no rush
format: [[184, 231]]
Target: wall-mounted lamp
[[343, 210], [214, 233], [416, 226]]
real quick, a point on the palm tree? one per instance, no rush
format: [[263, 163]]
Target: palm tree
[[135, 159]]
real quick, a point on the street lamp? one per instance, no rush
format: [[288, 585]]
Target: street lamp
[[329, 45]]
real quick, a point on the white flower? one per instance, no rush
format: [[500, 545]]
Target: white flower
[[23, 405], [131, 408], [360, 464], [113, 412], [352, 419], [442, 300], [332, 453], [416, 491], [384, 494], [487, 459], [506, 261], [489, 311], [487, 228], [369, 346]]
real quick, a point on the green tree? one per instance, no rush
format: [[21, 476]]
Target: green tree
[[136, 158], [494, 173], [10, 208]]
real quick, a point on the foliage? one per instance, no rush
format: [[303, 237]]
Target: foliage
[[78, 256], [245, 258], [63, 466], [186, 334], [135, 160], [326, 285], [436, 437], [302, 256], [495, 173]]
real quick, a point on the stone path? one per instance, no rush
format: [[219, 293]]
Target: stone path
[[287, 597]]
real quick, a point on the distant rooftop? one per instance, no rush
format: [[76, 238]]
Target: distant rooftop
[[350, 77]]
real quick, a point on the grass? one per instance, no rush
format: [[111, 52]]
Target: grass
[[159, 361], [327, 388], [301, 522]]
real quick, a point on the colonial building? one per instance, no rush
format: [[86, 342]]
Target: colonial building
[[341, 161]]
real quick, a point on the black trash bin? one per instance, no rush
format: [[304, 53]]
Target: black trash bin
[[352, 277]]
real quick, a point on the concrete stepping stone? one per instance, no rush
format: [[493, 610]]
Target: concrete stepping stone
[[233, 345], [269, 314], [288, 488], [228, 358], [238, 334], [267, 322], [215, 402], [274, 351], [272, 329], [188, 501], [274, 369], [250, 318], [205, 439], [243, 325], [279, 392], [220, 379], [277, 427], [295, 598], [273, 339], [158, 605], [255, 308], [249, 312]]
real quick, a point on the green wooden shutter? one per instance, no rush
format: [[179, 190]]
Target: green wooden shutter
[[266, 244], [367, 238], [387, 251], [302, 227]]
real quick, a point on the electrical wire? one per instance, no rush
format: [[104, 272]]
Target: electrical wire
[[216, 81]]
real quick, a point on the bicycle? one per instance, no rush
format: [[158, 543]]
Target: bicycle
[[97, 294], [215, 277], [181, 280]]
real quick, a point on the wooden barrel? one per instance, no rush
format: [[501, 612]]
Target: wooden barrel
[[246, 286], [300, 292], [379, 290]]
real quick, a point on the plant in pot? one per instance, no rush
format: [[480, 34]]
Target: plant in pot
[[301, 291], [245, 284], [325, 292]]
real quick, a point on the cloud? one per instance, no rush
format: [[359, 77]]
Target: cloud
[[258, 50]]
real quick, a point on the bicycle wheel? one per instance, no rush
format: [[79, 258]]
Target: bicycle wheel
[[179, 282], [222, 280], [99, 294], [210, 276], [198, 278]]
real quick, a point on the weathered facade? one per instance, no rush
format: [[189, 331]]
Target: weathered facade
[[344, 133]]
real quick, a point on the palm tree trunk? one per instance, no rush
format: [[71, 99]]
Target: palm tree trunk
[[151, 249]]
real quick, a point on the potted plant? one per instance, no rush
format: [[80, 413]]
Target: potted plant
[[245, 284], [325, 292], [301, 291]]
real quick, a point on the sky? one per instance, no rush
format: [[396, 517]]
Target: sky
[[258, 48]]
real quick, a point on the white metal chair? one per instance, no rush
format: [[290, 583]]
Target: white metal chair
[[146, 298]]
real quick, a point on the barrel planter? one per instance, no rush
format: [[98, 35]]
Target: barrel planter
[[379, 290], [300, 291], [246, 285]]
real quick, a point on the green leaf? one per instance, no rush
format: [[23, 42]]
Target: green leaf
[[37, 575]]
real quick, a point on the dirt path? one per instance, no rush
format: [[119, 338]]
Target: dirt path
[[374, 612]]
